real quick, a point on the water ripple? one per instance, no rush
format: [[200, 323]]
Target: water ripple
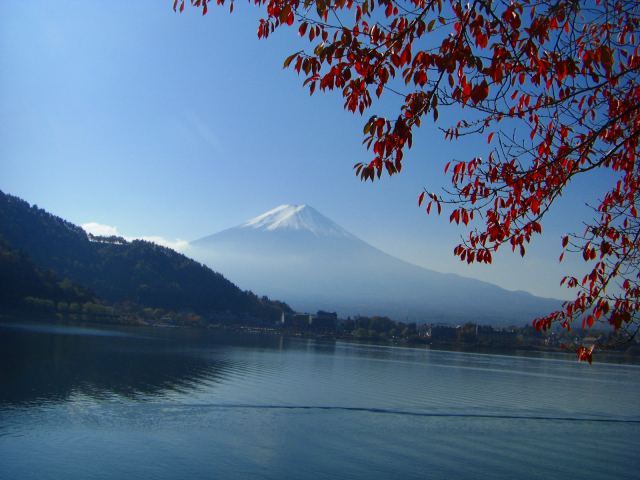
[[389, 411]]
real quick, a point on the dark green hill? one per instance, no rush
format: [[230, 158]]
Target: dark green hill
[[121, 272], [24, 285]]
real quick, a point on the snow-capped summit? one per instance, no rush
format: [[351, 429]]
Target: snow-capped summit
[[296, 217], [295, 253]]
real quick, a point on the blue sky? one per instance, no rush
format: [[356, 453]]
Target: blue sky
[[178, 126]]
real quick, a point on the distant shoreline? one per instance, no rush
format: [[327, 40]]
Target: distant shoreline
[[603, 356]]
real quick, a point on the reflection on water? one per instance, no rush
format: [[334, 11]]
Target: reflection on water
[[53, 367], [51, 363], [91, 403]]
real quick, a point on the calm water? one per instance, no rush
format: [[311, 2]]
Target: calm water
[[80, 403]]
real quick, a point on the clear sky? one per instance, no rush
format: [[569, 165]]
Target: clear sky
[[177, 126]]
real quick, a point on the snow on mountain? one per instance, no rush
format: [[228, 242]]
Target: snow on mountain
[[295, 253], [296, 217]]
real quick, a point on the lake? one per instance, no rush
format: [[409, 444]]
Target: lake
[[94, 403]]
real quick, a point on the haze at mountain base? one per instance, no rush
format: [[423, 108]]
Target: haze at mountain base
[[295, 252]]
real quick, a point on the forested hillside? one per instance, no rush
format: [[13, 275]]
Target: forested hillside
[[116, 271]]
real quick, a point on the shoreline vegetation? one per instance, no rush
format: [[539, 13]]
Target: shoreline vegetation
[[379, 331]]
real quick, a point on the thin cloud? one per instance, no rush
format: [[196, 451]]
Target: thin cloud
[[178, 244], [202, 130], [100, 229]]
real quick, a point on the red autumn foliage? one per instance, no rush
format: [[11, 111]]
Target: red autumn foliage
[[563, 74]]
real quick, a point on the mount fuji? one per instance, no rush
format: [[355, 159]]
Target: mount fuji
[[295, 253]]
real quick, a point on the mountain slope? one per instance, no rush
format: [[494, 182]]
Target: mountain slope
[[118, 271], [296, 253], [22, 281]]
